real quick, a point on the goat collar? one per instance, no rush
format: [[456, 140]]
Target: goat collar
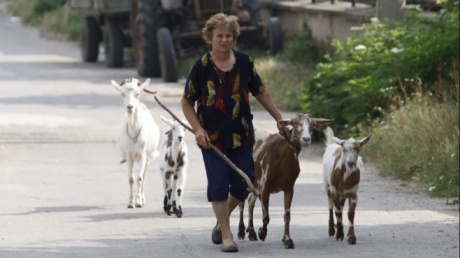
[[289, 140], [134, 139]]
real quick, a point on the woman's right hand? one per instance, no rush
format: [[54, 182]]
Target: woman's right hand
[[201, 137]]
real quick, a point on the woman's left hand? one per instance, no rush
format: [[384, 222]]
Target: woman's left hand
[[283, 130]]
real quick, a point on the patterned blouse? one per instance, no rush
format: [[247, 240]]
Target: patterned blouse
[[223, 99]]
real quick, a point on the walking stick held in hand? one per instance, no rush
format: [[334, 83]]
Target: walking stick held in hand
[[246, 178]]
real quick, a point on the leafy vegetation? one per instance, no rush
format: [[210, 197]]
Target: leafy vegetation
[[369, 74], [51, 16]]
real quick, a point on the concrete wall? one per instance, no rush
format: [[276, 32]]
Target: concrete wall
[[326, 21]]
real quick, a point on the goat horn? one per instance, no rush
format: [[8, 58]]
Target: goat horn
[[323, 120], [149, 91], [226, 159]]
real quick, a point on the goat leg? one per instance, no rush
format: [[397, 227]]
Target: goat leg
[[252, 236], [338, 205], [288, 242], [265, 198], [131, 184], [351, 218], [241, 227]]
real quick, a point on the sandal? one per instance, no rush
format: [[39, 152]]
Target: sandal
[[216, 235], [229, 248]]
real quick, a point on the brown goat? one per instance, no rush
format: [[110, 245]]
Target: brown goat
[[276, 169]]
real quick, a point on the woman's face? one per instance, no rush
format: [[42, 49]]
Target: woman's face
[[222, 39]]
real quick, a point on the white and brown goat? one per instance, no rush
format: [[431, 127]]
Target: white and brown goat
[[342, 167], [276, 169], [173, 166]]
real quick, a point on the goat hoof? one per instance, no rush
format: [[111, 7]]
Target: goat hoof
[[178, 213], [252, 235], [130, 206], [241, 234], [352, 240], [262, 234], [331, 232], [339, 236], [288, 244]]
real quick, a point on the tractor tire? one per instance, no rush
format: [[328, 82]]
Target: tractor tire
[[255, 10], [275, 35], [90, 37], [147, 16], [167, 55], [113, 44]]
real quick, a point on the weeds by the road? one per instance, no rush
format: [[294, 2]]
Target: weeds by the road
[[421, 141]]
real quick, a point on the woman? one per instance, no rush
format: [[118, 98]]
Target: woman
[[220, 82]]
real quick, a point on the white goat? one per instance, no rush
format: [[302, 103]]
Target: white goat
[[342, 166], [173, 166], [138, 138]]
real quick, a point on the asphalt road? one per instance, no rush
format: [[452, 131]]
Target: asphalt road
[[63, 193]]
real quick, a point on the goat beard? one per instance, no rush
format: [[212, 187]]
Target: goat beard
[[130, 118]]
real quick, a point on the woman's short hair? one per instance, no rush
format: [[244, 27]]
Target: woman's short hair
[[218, 20]]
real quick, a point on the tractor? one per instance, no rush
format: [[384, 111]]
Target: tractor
[[159, 30]]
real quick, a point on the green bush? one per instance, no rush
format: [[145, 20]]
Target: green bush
[[368, 74], [49, 15], [64, 22], [41, 7], [301, 49]]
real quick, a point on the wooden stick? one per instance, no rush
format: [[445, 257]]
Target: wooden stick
[[226, 159]]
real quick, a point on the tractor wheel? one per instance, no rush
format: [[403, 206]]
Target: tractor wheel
[[113, 44], [90, 37], [147, 16], [254, 8], [167, 55], [274, 35]]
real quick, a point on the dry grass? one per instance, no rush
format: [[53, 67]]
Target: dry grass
[[283, 81], [421, 142]]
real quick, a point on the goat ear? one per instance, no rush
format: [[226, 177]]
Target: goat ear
[[285, 122], [143, 85], [365, 140], [147, 82], [322, 121], [166, 120], [116, 86]]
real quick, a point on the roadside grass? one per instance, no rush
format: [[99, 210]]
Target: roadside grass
[[283, 81], [420, 142], [63, 21], [51, 17]]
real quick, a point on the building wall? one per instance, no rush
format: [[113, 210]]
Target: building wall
[[326, 21]]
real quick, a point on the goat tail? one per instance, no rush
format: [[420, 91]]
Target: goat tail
[[329, 134]]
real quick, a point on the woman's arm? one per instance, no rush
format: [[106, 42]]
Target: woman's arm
[[188, 109]]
